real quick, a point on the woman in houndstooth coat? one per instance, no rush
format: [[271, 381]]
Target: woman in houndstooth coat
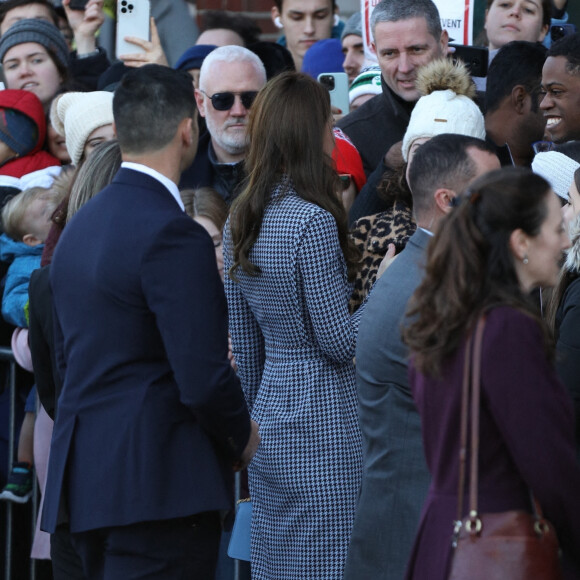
[[289, 258]]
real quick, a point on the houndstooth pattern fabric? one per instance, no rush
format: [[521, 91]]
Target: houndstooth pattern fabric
[[294, 343]]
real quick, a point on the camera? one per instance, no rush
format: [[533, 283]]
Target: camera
[[475, 58], [558, 31]]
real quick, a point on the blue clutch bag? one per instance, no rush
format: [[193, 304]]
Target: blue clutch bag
[[239, 547]]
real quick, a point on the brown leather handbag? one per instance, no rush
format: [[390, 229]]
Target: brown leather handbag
[[512, 545]]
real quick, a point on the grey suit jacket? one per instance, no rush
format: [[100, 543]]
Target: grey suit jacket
[[395, 478]]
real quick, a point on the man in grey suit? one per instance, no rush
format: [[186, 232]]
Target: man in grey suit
[[395, 476]]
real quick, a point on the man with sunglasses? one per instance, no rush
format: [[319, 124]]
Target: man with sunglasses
[[229, 80]]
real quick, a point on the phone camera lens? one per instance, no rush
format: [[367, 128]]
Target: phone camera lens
[[124, 3], [327, 81], [123, 10], [130, 6]]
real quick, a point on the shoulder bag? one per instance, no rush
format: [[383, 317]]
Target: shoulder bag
[[514, 545]]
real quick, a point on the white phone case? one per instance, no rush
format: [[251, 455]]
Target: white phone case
[[132, 20]]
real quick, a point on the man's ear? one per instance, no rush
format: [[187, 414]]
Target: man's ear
[[444, 41], [373, 47], [114, 128], [200, 101], [187, 132], [274, 13], [518, 97], [443, 198]]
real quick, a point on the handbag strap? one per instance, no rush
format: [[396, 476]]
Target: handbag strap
[[468, 374], [463, 432], [475, 400], [474, 523]]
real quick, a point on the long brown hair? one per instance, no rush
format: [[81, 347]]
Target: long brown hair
[[470, 267], [288, 122]]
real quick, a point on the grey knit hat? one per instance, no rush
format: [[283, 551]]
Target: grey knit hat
[[39, 31], [353, 26]]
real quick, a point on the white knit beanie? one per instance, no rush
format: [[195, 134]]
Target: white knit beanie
[[76, 115], [447, 106], [557, 169]]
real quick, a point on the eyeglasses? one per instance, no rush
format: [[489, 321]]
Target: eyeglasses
[[225, 101]]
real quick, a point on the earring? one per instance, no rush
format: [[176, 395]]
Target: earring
[[278, 22], [336, 20], [525, 260]]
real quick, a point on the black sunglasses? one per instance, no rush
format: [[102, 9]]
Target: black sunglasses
[[225, 101]]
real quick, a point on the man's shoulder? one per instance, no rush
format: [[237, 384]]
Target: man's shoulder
[[377, 106]]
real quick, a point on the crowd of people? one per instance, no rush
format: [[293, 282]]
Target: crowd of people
[[210, 270]]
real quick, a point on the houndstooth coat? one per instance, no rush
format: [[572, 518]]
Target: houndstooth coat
[[294, 343]]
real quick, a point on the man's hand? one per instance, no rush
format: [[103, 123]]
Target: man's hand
[[85, 24], [251, 448], [153, 50]]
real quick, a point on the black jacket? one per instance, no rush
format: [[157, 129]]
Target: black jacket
[[377, 125]]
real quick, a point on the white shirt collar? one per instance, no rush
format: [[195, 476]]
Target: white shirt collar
[[172, 187]]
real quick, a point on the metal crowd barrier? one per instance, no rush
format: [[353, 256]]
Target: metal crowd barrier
[[9, 546], [6, 356]]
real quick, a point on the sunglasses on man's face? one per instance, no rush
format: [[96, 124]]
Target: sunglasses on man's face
[[225, 101]]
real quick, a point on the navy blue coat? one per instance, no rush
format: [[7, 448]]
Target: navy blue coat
[[151, 414]]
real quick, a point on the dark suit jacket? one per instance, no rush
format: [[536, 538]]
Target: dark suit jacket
[[151, 414], [395, 476]]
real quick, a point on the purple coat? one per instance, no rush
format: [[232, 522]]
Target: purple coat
[[526, 439]]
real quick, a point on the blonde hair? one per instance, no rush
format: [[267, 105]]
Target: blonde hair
[[14, 211], [205, 202]]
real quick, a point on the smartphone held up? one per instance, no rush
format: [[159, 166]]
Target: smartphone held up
[[133, 19]]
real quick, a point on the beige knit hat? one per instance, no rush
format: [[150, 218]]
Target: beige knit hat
[[446, 106], [76, 115]]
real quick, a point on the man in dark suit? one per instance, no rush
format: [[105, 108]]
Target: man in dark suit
[[395, 476], [151, 416]]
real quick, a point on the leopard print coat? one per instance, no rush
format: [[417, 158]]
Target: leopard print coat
[[372, 236]]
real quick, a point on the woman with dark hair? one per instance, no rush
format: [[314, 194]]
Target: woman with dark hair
[[288, 255], [504, 239], [34, 57], [507, 20]]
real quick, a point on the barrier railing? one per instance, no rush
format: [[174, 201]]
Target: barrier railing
[[6, 356]]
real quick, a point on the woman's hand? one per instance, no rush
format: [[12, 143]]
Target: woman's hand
[[389, 258], [153, 50]]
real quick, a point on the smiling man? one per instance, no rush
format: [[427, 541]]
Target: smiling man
[[407, 35], [561, 87]]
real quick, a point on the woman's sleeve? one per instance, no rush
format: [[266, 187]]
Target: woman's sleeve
[[533, 413], [323, 279], [247, 338]]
